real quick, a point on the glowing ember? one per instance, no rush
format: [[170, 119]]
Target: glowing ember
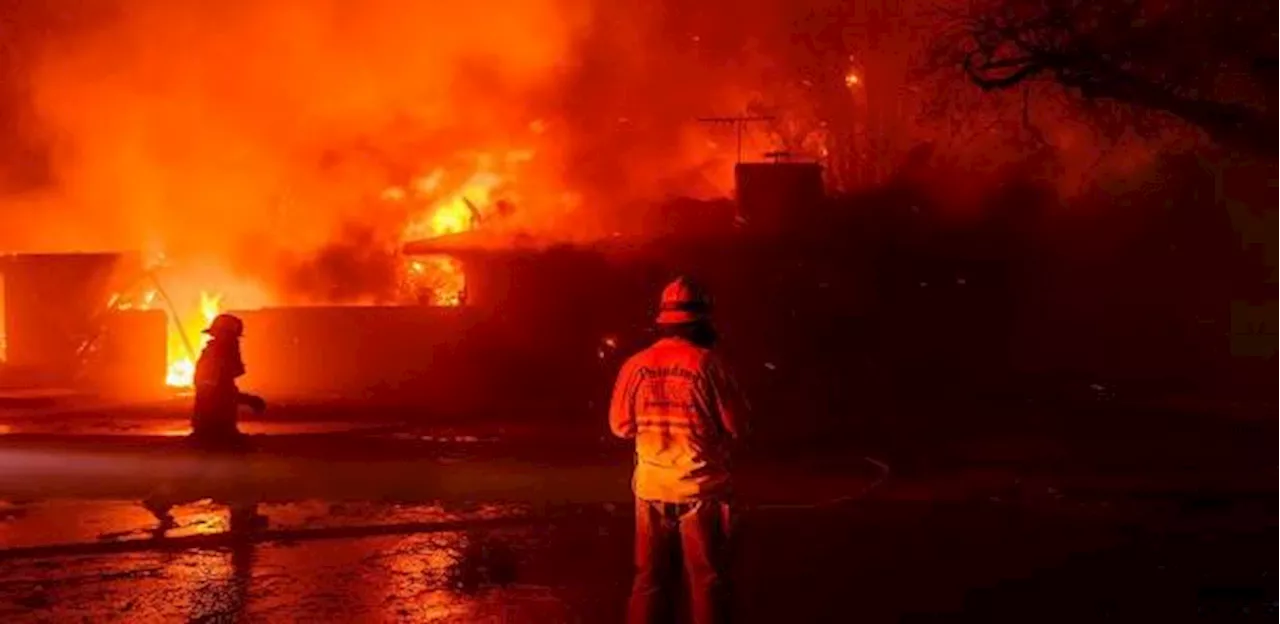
[[607, 345], [182, 367], [436, 280], [851, 79]]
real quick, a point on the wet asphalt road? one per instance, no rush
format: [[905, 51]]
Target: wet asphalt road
[[452, 576], [465, 532], [881, 561]]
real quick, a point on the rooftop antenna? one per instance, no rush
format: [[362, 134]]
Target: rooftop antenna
[[738, 122]]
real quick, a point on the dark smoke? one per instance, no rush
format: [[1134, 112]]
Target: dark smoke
[[357, 267]]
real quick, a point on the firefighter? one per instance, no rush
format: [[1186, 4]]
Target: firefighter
[[213, 418], [214, 432], [679, 403]]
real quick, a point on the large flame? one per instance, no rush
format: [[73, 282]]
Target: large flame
[[276, 161], [185, 335], [455, 212], [181, 364], [436, 280], [281, 162], [439, 279], [434, 208]]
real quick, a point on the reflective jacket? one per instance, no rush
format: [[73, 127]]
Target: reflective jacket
[[683, 408]]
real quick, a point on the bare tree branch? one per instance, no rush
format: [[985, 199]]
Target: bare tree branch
[[1156, 59]]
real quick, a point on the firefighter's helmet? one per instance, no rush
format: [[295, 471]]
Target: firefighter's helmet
[[683, 301], [225, 326]]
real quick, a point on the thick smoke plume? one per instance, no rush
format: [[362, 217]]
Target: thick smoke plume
[[250, 134], [252, 138], [243, 132]]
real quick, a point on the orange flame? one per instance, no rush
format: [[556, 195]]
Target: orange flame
[[182, 368], [436, 280], [455, 212], [440, 280], [190, 296]]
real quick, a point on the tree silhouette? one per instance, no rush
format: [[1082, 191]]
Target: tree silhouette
[[1211, 64]]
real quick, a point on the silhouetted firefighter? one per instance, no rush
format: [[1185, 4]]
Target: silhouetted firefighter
[[214, 432], [214, 416], [679, 403]]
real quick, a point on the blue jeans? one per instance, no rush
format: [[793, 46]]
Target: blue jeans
[[671, 537]]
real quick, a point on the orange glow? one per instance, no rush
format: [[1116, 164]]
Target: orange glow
[[436, 280], [182, 368], [851, 79], [352, 123], [455, 211], [186, 326], [144, 302], [439, 280], [4, 345], [607, 345]]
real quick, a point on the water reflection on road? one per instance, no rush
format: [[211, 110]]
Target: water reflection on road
[[447, 576], [169, 427]]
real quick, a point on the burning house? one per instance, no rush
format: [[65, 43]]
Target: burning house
[[478, 316], [549, 323]]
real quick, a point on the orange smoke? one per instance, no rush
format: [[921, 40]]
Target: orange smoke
[[232, 146], [251, 135]]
